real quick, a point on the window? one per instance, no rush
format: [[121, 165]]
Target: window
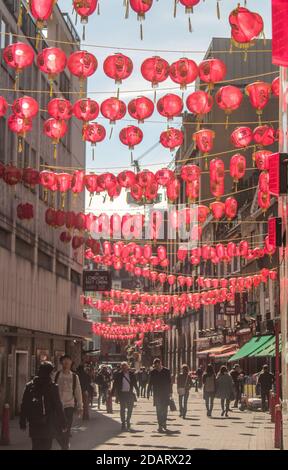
[[75, 277], [44, 260], [5, 239], [61, 269], [24, 249]]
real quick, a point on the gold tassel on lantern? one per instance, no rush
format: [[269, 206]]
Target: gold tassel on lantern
[[20, 14], [98, 9], [141, 31], [62, 200], [175, 8], [218, 10], [127, 10], [20, 144], [55, 151], [190, 24], [227, 121]]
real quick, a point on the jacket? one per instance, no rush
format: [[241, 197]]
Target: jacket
[[161, 384], [184, 381], [224, 387], [117, 384], [209, 382], [42, 408], [266, 380]]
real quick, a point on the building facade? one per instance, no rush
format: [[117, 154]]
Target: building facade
[[40, 277], [215, 325]]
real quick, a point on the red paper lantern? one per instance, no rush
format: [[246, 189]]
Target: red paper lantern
[[145, 178], [245, 26], [237, 167], [204, 140], [202, 213], [93, 133], [131, 136], [91, 183], [77, 185], [126, 179], [48, 179], [190, 173], [275, 86], [113, 109], [20, 127], [18, 56], [241, 137], [59, 108], [107, 181], [3, 106], [264, 200], [184, 71], [259, 94], [86, 110], [85, 8], [199, 103], [141, 7], [217, 209], [170, 106], [137, 192], [229, 98], [155, 70], [164, 176], [25, 211], [52, 61], [41, 10], [12, 175], [141, 108], [264, 135], [173, 190], [30, 177], [82, 64], [192, 191], [118, 66], [217, 175], [261, 158], [25, 107], [171, 138], [212, 71], [231, 207], [264, 182], [55, 130]]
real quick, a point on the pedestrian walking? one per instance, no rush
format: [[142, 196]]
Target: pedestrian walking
[[42, 408], [123, 388], [70, 395], [266, 381], [209, 388], [161, 384], [235, 374], [86, 386], [224, 389], [143, 378], [199, 374], [103, 381], [184, 383]]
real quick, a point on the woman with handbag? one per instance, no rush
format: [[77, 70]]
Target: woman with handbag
[[224, 389], [209, 384], [184, 383]]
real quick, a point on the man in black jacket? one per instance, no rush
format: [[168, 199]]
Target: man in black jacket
[[161, 384], [124, 383], [266, 380], [42, 408]]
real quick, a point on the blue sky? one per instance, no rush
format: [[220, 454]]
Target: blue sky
[[161, 31]]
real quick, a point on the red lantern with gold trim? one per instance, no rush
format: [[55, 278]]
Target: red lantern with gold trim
[[264, 135], [212, 71], [231, 207], [217, 176], [3, 106], [19, 126], [141, 108], [131, 136], [85, 8], [261, 159], [241, 137], [141, 7], [259, 95], [170, 106], [25, 107], [113, 109], [229, 98], [59, 108], [199, 103], [171, 138], [237, 167], [155, 70], [245, 27], [19, 56], [275, 86], [55, 130], [52, 61], [184, 71], [189, 5], [82, 64], [218, 209], [118, 67]]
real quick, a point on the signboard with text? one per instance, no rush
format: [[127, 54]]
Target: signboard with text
[[96, 281]]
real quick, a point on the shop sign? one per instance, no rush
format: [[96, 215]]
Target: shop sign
[[96, 281]]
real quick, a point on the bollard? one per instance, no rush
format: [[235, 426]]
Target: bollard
[[272, 406], [278, 427], [5, 434]]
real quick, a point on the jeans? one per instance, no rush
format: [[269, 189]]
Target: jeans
[[162, 412], [183, 399], [209, 402], [265, 395], [64, 438], [225, 406], [41, 444], [126, 401]]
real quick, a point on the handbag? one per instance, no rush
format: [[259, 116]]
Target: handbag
[[172, 405]]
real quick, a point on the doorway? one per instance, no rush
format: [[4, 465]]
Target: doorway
[[21, 377]]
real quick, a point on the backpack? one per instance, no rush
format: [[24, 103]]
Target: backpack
[[74, 380], [37, 408]]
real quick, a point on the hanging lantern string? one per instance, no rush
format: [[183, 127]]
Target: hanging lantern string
[[135, 49], [146, 90]]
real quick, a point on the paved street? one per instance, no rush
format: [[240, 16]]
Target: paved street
[[242, 430]]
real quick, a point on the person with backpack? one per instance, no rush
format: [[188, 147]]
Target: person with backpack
[[42, 408], [184, 383], [209, 388], [70, 395]]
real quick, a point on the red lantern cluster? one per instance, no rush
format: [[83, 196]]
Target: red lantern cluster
[[25, 211]]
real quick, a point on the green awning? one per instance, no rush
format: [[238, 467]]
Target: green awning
[[268, 349], [251, 347]]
